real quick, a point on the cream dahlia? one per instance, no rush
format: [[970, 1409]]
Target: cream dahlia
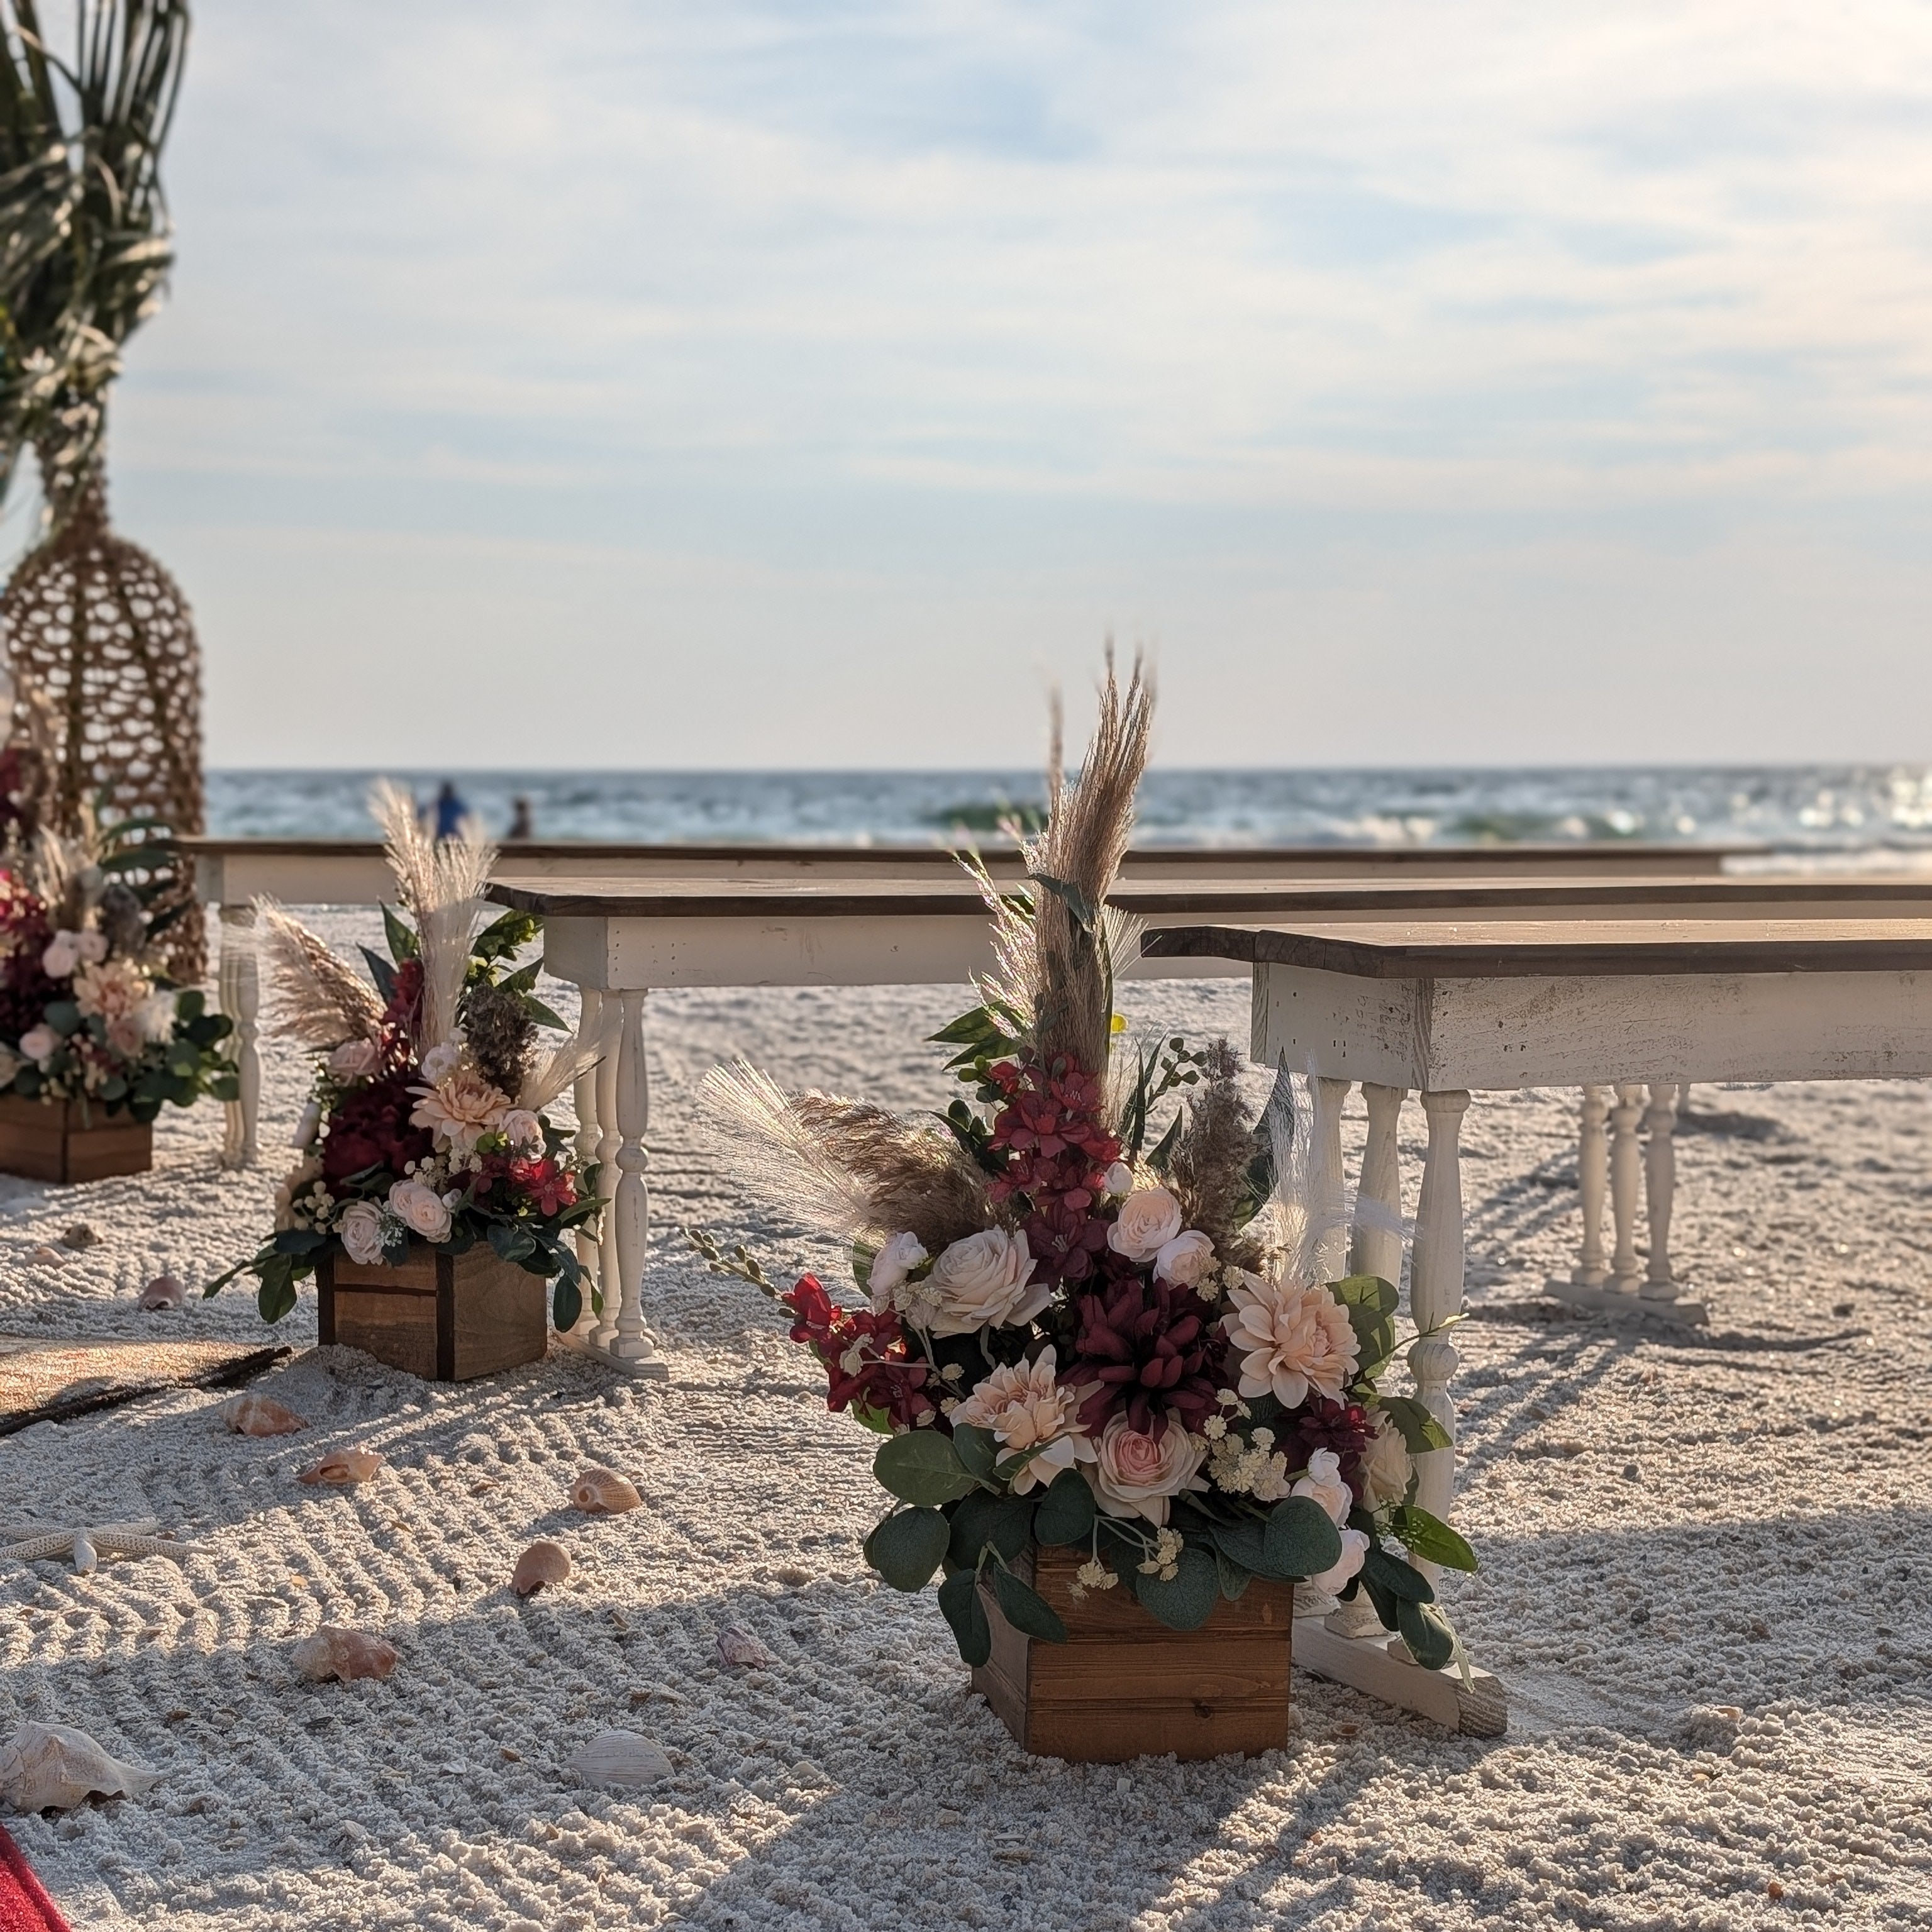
[[460, 1109], [1293, 1336], [1025, 1407]]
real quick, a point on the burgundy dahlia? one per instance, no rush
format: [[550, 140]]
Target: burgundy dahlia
[[1153, 1348], [25, 989], [371, 1128], [1341, 1426]]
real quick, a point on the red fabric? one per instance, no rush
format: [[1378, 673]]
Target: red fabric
[[25, 1905]]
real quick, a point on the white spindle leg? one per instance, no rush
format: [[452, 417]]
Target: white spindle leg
[[1660, 1188], [1625, 1168], [589, 1026], [1593, 1183], [1376, 1246], [1436, 1291], [609, 1274], [239, 987], [1326, 1189], [634, 1346]]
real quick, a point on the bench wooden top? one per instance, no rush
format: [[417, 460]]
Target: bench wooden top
[[1438, 949], [1246, 900]]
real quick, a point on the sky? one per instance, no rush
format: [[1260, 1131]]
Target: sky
[[623, 385]]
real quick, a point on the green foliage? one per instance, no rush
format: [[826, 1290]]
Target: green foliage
[[978, 1450], [984, 1521], [920, 1468], [1395, 1578], [1025, 1608], [399, 936], [1430, 1538], [1186, 1600], [1420, 1431], [908, 1547], [1431, 1640], [972, 1628], [1301, 1540], [1371, 1304], [1066, 1511]]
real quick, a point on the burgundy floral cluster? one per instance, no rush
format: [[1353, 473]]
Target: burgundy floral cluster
[[864, 1353], [24, 931], [518, 1180], [1342, 1426], [1058, 1154], [1152, 1348], [371, 1128]]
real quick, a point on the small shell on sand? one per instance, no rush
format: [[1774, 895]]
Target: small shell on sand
[[44, 1256], [620, 1757], [260, 1415], [342, 1468], [165, 1291], [742, 1649], [542, 1563], [80, 1235], [346, 1653], [53, 1767], [603, 1492]]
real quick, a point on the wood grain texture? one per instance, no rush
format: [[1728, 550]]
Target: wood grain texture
[[48, 1140], [445, 1318], [1124, 1686]]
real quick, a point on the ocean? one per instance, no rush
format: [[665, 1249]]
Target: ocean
[[1813, 806]]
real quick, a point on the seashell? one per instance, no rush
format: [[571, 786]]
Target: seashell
[[80, 1235], [342, 1468], [260, 1415], [603, 1492], [44, 1256], [53, 1767], [620, 1757], [165, 1291], [346, 1653], [542, 1563], [741, 1649]]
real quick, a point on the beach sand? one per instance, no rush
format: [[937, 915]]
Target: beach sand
[[1671, 1522]]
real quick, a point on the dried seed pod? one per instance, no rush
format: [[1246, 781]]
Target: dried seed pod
[[542, 1563], [603, 1492], [344, 1654], [620, 1757], [342, 1468], [53, 1767], [741, 1649], [260, 1415], [164, 1291]]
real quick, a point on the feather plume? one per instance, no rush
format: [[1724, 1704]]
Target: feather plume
[[559, 1067], [1309, 1222], [854, 1168], [442, 882], [319, 1000]]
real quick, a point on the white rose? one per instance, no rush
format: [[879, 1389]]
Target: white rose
[[92, 946], [1148, 1220], [1120, 1178], [40, 1043], [440, 1062], [1136, 1474], [155, 1015], [421, 1210], [522, 1129], [1185, 1259], [982, 1282], [1386, 1466], [891, 1265], [1323, 1484], [1354, 1547], [354, 1060], [359, 1228], [62, 956]]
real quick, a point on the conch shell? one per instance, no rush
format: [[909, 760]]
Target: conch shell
[[742, 1649], [342, 1468], [260, 1415], [164, 1291], [346, 1653], [620, 1757], [603, 1492], [542, 1563], [45, 1767]]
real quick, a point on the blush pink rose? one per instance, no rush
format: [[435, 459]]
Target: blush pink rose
[[1137, 1474], [1149, 1218]]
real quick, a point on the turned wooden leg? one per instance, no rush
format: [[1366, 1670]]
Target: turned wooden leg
[[589, 1026], [239, 989], [1436, 1291], [630, 1206], [609, 1274], [1326, 1191], [1593, 1184], [1660, 1189], [1376, 1246], [1625, 1167]]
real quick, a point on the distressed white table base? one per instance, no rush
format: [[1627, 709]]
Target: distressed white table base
[[238, 994]]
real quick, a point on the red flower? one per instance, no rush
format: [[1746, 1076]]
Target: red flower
[[1152, 1348], [401, 1016], [24, 990], [1057, 1153], [548, 1188], [864, 1355], [371, 1128], [1341, 1426]]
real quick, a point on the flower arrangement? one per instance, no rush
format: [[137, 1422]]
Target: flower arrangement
[[86, 1013], [1079, 1331], [426, 1120]]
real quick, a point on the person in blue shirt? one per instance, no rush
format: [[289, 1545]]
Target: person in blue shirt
[[451, 811]]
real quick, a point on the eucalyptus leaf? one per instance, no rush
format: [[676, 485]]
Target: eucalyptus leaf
[[1425, 1630], [977, 1449], [1432, 1539], [1187, 1600], [1402, 1581], [1025, 1609], [908, 1547], [1420, 1431], [921, 1467], [1066, 1511], [1301, 1540], [972, 1628]]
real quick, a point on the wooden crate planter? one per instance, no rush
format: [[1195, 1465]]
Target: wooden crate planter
[[51, 1140], [446, 1318], [1125, 1686]]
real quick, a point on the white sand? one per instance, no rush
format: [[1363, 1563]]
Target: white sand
[[1669, 1521]]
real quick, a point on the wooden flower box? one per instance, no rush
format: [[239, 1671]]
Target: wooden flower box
[[1126, 1686], [51, 1140], [445, 1318]]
